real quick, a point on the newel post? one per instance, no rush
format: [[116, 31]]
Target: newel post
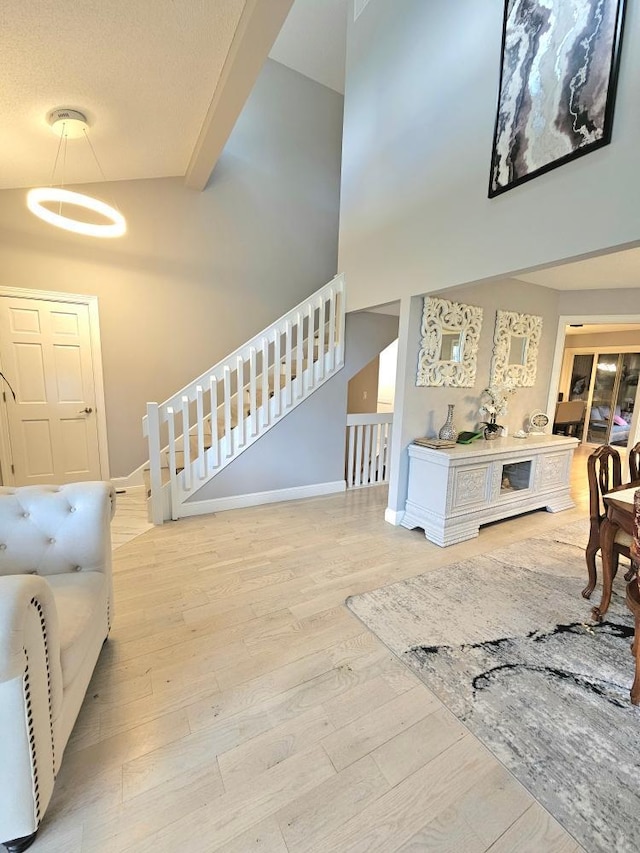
[[156, 514]]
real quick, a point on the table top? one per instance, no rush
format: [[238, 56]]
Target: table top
[[622, 496]]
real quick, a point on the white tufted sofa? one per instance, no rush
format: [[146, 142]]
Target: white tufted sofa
[[55, 614]]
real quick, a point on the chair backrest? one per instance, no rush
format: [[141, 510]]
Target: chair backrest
[[50, 530], [634, 463], [570, 411], [604, 473]]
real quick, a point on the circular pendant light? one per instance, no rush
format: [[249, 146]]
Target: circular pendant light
[[116, 226], [72, 124]]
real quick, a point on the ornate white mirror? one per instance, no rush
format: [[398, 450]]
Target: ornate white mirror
[[449, 337], [515, 348]]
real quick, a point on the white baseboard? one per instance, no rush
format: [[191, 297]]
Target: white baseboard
[[135, 478], [393, 516], [295, 493]]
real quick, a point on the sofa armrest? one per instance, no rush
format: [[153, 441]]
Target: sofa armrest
[[28, 619], [56, 529]]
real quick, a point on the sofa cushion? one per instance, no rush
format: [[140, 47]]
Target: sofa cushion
[[81, 604]]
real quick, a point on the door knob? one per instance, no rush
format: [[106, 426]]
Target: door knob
[[86, 411]]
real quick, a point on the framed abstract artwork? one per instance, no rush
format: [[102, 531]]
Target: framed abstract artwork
[[558, 76]]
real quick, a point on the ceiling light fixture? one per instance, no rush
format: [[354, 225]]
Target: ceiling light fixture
[[72, 124]]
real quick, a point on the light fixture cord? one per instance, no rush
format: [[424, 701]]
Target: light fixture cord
[[95, 157], [55, 162], [64, 163]]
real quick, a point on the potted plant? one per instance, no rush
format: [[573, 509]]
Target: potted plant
[[493, 404]]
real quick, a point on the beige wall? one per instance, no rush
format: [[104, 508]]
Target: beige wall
[[422, 411], [363, 389], [197, 274]]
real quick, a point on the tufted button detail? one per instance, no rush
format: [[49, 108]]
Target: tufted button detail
[[52, 541], [3, 547], [77, 568], [72, 509], [25, 515], [34, 572]]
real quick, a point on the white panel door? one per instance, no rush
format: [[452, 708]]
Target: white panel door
[[45, 353]]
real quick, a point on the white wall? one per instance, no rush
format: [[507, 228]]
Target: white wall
[[420, 106], [197, 273]]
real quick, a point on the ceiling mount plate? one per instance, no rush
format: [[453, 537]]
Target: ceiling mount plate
[[67, 122]]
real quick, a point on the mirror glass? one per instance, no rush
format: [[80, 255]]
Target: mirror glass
[[451, 348], [518, 349]]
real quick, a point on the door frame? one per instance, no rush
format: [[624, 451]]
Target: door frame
[[91, 302], [593, 320]]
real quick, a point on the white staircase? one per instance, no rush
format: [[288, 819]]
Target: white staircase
[[226, 409]]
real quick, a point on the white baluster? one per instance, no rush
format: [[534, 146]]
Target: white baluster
[[214, 459], [288, 335], [277, 367], [173, 476], [200, 430], [367, 455], [375, 461], [310, 362], [321, 325], [253, 394], [359, 459], [350, 456], [186, 446], [299, 354], [332, 330], [266, 398], [240, 402], [228, 438]]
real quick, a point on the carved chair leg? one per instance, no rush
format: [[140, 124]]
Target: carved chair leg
[[607, 536], [630, 575], [592, 550], [20, 844]]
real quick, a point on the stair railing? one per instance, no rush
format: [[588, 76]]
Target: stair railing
[[204, 426], [368, 449]]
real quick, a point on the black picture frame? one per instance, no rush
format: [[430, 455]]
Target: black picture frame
[[512, 147]]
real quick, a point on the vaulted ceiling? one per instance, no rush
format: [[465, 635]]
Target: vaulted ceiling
[[160, 81]]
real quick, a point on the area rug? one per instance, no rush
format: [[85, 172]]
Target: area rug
[[506, 641]]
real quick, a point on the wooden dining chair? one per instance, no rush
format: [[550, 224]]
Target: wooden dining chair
[[633, 598], [604, 474], [634, 463]]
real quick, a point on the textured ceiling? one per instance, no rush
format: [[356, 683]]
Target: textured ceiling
[[143, 71], [618, 269]]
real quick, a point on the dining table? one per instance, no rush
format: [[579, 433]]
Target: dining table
[[619, 505]]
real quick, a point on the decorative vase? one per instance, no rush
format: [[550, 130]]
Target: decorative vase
[[447, 430]]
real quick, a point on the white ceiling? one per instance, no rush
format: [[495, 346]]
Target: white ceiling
[[594, 328], [143, 71], [313, 41], [618, 269]]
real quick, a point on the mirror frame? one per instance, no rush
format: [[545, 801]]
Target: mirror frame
[[438, 316], [508, 324]]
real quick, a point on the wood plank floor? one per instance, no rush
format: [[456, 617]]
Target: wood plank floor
[[239, 706]]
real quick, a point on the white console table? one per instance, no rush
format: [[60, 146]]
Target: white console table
[[453, 492]]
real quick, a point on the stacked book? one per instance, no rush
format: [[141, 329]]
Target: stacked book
[[437, 443]]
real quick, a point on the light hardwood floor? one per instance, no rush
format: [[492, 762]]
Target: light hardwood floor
[[239, 705]]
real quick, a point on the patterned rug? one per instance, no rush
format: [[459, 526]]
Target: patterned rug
[[506, 641]]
